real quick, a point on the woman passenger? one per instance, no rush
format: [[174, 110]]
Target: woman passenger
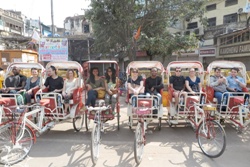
[[111, 85], [32, 83], [135, 85], [192, 82], [94, 84], [70, 84]]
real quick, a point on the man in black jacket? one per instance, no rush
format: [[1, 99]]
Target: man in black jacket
[[153, 86], [15, 82]]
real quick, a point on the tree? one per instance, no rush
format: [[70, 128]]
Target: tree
[[114, 24]]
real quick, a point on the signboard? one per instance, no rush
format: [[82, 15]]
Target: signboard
[[53, 49], [205, 52], [237, 49]]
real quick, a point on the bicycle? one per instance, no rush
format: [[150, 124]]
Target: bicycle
[[16, 138], [97, 129], [210, 134]]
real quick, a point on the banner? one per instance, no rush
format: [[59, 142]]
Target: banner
[[53, 49]]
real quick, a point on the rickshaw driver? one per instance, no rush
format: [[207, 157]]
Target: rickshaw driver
[[153, 86]]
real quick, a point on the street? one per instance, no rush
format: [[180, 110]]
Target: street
[[172, 146]]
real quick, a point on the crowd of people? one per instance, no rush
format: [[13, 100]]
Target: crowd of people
[[107, 88]]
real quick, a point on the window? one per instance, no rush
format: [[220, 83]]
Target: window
[[231, 18], [230, 2], [211, 22], [86, 28], [192, 25], [211, 7]]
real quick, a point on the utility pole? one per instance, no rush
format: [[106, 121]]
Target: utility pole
[[52, 19]]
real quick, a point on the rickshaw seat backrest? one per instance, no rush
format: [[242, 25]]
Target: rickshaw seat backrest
[[77, 95], [50, 102], [210, 93]]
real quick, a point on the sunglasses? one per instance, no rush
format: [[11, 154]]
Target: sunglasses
[[135, 71], [178, 70]]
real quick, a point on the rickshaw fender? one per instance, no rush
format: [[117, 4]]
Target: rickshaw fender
[[75, 109]]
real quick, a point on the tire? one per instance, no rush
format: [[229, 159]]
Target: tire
[[14, 146], [78, 122], [138, 143], [118, 121], [159, 124], [212, 144], [95, 143], [87, 121]]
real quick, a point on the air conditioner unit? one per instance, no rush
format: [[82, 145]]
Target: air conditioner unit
[[240, 10]]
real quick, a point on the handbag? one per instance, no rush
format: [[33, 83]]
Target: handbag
[[101, 94]]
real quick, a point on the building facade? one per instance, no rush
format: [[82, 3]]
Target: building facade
[[227, 27]]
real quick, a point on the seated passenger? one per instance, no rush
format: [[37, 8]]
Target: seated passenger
[[94, 84], [235, 83], [111, 86], [177, 82], [54, 83], [219, 84], [135, 85], [70, 84], [15, 82], [193, 83], [31, 84], [153, 86]]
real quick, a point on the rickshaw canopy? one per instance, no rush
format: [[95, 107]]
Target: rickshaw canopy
[[145, 64], [225, 64]]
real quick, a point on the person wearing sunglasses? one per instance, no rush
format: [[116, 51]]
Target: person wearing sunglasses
[[193, 83], [111, 86], [177, 82], [135, 85]]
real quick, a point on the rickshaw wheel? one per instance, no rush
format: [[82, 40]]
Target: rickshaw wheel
[[211, 138], [95, 143], [12, 151], [159, 124], [87, 121], [138, 144], [78, 122]]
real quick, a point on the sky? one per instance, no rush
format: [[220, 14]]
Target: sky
[[42, 8]]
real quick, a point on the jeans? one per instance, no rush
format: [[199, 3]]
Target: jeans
[[155, 102], [218, 96], [156, 99], [111, 99], [134, 99], [92, 95]]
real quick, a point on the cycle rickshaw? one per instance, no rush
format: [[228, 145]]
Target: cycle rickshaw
[[147, 109], [235, 108], [10, 80], [101, 112], [18, 135], [195, 110]]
